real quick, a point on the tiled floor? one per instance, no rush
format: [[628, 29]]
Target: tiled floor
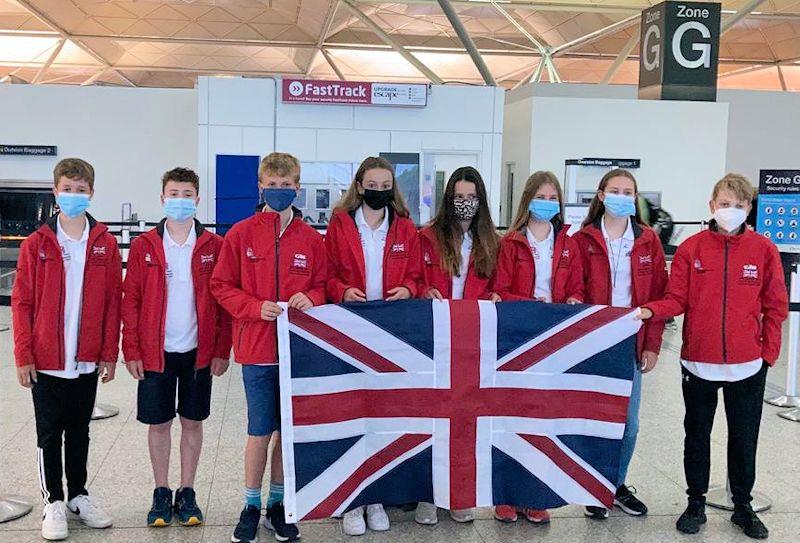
[[120, 473]]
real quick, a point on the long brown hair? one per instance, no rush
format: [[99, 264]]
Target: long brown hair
[[597, 209], [447, 228], [532, 185], [352, 200]]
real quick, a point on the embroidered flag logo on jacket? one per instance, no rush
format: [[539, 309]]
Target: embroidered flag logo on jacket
[[458, 403]]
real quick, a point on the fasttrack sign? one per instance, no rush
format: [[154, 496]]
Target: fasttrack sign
[[312, 91], [680, 51]]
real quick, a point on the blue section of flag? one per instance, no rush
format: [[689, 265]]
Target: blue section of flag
[[512, 484], [311, 459], [617, 361], [519, 322], [313, 361], [601, 453], [409, 482], [414, 324]]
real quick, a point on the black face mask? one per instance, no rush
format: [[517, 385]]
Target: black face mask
[[378, 199]]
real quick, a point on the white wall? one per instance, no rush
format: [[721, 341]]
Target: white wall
[[130, 136], [245, 116], [518, 117], [763, 126]]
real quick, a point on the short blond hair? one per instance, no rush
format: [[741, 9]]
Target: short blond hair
[[281, 164], [737, 184]]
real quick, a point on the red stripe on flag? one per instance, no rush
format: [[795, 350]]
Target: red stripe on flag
[[574, 470], [568, 335], [450, 404], [465, 382], [372, 465], [347, 345]]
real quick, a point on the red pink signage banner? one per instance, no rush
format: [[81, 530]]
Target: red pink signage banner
[[312, 91]]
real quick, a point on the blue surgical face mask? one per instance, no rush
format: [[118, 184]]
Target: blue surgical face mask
[[620, 205], [179, 209], [72, 204], [544, 210], [278, 199]]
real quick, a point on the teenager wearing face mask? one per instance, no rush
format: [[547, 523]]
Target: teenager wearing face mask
[[373, 254], [459, 254], [538, 261], [270, 257], [623, 266], [175, 337], [65, 305], [728, 282]]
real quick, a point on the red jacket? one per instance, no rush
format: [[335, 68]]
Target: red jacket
[[258, 264], [515, 278], [37, 299], [433, 276], [144, 308], [733, 293], [401, 256], [648, 275]]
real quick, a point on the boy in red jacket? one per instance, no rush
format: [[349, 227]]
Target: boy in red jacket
[[65, 307], [272, 256], [175, 336], [729, 283]]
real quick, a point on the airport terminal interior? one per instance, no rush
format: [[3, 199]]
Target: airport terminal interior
[[678, 93]]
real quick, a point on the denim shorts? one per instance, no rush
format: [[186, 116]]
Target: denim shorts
[[263, 399]]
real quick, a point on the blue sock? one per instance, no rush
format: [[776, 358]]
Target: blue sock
[[252, 496], [275, 493]]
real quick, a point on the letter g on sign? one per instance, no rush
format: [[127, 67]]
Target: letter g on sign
[[651, 63], [704, 48]]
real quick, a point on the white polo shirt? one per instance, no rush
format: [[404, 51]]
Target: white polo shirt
[[460, 281], [180, 329], [543, 260], [619, 262], [73, 253], [373, 243]]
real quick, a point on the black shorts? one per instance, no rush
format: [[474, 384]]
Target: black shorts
[[156, 395]]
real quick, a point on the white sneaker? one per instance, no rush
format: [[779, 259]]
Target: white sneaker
[[426, 514], [88, 510], [353, 522], [377, 519], [54, 521], [463, 515]]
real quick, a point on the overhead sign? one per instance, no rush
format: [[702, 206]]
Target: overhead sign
[[779, 208], [28, 150], [605, 162], [313, 91], [680, 51]]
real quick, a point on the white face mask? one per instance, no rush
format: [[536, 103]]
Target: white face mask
[[730, 218]]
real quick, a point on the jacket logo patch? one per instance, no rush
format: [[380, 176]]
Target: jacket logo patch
[[148, 258], [98, 251], [565, 253], [251, 255], [207, 259], [398, 247], [427, 258], [42, 256], [299, 264], [750, 271], [646, 260], [697, 264]]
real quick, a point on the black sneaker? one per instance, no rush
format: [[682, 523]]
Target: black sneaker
[[247, 529], [275, 521], [186, 507], [596, 513], [160, 514], [745, 518], [691, 519], [625, 500]]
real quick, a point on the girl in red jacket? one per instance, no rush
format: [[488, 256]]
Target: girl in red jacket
[[728, 282], [623, 266], [538, 261], [373, 254], [459, 253]]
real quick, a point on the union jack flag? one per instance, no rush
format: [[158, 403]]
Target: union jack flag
[[458, 403]]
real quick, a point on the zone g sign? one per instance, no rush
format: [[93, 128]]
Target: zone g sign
[[680, 51]]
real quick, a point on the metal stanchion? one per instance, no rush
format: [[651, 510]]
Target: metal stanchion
[[721, 498], [790, 398], [794, 349], [14, 507]]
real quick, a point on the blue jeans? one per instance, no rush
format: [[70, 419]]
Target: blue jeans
[[631, 426]]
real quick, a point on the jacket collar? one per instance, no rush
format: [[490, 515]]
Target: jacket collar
[[713, 228], [198, 228], [635, 226]]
